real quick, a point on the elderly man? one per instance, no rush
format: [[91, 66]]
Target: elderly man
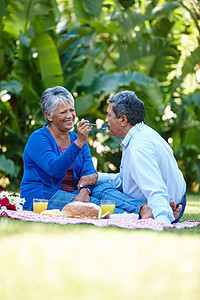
[[148, 170]]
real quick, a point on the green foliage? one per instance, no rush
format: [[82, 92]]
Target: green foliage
[[185, 133], [7, 166], [94, 49], [191, 62], [30, 64]]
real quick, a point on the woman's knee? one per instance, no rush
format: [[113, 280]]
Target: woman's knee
[[60, 199]]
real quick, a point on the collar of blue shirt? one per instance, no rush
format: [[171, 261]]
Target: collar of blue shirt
[[131, 132]]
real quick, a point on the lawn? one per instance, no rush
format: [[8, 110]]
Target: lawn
[[83, 262]]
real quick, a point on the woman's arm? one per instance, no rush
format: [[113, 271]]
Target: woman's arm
[[40, 151]]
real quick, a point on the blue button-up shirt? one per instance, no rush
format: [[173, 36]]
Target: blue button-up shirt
[[148, 172]]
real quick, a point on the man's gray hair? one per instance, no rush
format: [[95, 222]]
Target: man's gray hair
[[51, 97], [128, 104]]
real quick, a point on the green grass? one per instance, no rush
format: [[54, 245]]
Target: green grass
[[51, 261]]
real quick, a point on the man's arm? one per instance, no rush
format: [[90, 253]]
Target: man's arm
[[147, 176], [87, 180], [98, 178]]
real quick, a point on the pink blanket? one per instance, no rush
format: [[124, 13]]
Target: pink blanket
[[125, 223]]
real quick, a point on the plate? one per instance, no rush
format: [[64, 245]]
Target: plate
[[125, 216]]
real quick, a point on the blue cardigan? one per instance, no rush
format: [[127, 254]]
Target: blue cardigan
[[45, 166]]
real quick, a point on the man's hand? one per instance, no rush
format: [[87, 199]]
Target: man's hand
[[83, 196], [87, 180]]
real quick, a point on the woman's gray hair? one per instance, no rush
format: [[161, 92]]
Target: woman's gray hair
[[127, 103], [51, 97]]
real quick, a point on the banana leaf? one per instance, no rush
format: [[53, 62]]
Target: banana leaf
[[191, 62], [22, 12], [49, 60]]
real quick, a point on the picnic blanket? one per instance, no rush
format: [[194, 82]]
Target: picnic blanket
[[122, 223]]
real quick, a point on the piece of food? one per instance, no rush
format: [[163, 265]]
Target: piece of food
[[51, 212], [81, 210], [106, 215]]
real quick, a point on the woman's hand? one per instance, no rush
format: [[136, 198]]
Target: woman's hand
[[83, 196], [87, 180], [83, 129]]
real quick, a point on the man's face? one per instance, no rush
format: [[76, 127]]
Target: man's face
[[113, 123]]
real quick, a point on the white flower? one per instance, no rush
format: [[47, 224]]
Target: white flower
[[23, 200], [17, 200], [19, 207], [12, 200], [3, 194], [4, 207]]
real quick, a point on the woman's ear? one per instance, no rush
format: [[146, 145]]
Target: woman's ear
[[48, 116], [124, 120]]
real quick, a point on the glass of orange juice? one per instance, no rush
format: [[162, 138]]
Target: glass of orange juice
[[107, 205], [39, 205]]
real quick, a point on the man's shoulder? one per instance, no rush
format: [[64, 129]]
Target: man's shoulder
[[144, 138], [146, 133]]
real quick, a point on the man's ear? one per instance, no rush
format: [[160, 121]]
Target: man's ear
[[124, 120], [48, 116]]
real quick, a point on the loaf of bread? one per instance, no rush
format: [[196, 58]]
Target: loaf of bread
[[81, 210]]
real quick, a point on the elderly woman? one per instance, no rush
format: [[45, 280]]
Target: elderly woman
[[56, 158]]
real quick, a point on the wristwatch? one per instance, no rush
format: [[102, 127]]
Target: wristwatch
[[85, 187]]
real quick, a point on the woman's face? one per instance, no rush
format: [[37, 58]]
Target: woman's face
[[63, 116]]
